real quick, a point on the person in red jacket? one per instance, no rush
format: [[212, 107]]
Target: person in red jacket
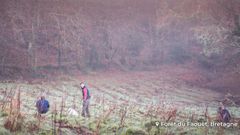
[[86, 100]]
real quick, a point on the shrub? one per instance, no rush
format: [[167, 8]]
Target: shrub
[[4, 131], [135, 132]]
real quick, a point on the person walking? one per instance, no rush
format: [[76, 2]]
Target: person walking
[[86, 100]]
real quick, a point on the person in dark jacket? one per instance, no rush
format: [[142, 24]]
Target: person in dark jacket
[[86, 100], [42, 105], [224, 115]]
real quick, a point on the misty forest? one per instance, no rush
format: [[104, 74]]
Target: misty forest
[[142, 61]]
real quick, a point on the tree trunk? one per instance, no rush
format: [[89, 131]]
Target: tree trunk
[[237, 21], [59, 57], [3, 61], [32, 51]]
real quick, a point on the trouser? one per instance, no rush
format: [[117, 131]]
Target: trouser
[[85, 108]]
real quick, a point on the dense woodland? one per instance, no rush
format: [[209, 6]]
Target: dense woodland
[[43, 36]]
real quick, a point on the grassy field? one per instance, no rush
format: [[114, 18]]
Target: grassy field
[[121, 104]]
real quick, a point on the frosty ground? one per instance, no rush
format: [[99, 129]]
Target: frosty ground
[[121, 103]]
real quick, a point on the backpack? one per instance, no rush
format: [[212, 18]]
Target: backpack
[[88, 93]]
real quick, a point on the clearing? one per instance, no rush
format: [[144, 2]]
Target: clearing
[[121, 103]]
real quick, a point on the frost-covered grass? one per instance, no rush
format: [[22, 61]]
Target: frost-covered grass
[[120, 104]]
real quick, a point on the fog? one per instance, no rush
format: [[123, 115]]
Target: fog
[[123, 67], [123, 35]]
